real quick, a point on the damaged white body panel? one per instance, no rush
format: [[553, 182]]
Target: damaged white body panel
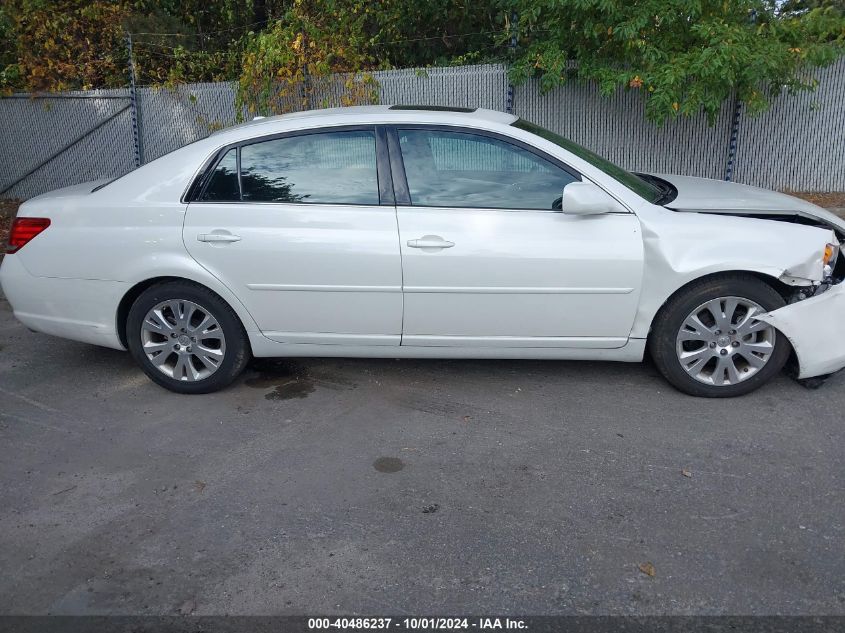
[[816, 329], [714, 211], [680, 247], [718, 196]]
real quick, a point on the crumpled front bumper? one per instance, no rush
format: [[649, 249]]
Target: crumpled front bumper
[[816, 329]]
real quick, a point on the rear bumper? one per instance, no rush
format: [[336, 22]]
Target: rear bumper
[[78, 309], [816, 329]]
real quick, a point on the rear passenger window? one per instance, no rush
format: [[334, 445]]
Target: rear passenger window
[[326, 167], [223, 185]]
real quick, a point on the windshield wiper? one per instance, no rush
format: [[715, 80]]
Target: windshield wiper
[[668, 192]]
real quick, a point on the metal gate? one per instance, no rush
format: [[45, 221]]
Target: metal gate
[[52, 141]]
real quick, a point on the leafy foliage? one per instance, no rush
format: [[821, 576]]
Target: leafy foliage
[[317, 41], [686, 56], [189, 40], [62, 45], [76, 44], [312, 41], [800, 6]]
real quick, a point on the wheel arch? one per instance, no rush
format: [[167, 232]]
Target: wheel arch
[[776, 284], [136, 290], [723, 378]]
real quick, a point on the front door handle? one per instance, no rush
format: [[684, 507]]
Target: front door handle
[[218, 237], [430, 241]]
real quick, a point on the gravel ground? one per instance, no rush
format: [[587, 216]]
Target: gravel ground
[[828, 199]]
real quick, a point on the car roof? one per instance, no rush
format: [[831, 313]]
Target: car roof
[[385, 113]]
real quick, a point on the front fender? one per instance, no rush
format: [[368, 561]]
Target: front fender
[[682, 247]]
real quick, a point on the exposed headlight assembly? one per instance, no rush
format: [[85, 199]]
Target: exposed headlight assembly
[[831, 253]]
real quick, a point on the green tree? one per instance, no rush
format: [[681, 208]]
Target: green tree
[[685, 56], [267, 44], [9, 69], [316, 41], [801, 6], [62, 45], [178, 41], [407, 33], [75, 44]]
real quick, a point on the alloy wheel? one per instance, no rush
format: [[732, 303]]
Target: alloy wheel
[[183, 340], [722, 343]]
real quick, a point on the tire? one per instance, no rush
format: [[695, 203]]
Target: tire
[[696, 356], [186, 338]]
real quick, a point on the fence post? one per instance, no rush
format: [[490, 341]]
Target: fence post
[[729, 167], [306, 77], [512, 49], [133, 103]]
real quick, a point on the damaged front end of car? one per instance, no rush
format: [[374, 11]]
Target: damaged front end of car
[[814, 322], [832, 274], [814, 318], [805, 260]]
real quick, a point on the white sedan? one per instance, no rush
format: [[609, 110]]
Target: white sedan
[[423, 232]]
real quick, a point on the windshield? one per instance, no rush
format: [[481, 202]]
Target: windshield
[[647, 189]]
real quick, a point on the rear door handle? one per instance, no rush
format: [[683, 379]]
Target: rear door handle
[[218, 237], [430, 241]]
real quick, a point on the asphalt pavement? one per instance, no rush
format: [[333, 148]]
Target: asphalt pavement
[[336, 486]]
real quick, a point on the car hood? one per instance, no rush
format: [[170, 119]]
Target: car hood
[[704, 195]]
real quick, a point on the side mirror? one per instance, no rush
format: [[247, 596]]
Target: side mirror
[[585, 198]]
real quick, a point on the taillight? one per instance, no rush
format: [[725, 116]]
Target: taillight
[[23, 230]]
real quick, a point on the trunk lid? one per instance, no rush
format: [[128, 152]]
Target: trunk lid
[[72, 191]]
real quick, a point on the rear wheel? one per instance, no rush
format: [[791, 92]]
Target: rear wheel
[[707, 342], [186, 338]]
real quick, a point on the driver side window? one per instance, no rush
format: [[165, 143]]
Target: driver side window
[[462, 169]]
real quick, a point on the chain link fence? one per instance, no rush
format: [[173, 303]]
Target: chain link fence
[[53, 141], [63, 140]]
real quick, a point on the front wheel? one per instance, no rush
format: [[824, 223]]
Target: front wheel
[[707, 342], [186, 338]]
